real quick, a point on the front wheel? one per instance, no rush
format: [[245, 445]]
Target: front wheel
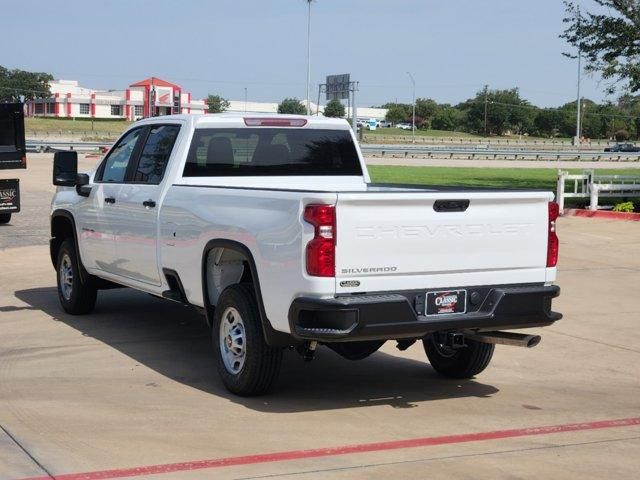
[[5, 217], [76, 297], [247, 365], [463, 362]]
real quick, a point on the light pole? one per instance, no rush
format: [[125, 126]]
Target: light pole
[[309, 57], [245, 99], [413, 118], [578, 114], [577, 140]]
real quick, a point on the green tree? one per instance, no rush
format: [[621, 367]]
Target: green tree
[[334, 108], [397, 112], [630, 105], [426, 109], [548, 122], [292, 106], [613, 119], [217, 104], [448, 118], [15, 84], [506, 112], [610, 40], [593, 125]]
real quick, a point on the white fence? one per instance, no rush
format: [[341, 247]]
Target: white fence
[[592, 186]]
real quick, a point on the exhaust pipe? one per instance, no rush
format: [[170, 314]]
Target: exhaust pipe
[[506, 338]]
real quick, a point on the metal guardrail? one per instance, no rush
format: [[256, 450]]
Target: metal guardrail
[[539, 143], [403, 151], [50, 146], [413, 151]]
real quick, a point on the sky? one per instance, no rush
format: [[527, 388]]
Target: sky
[[452, 47]]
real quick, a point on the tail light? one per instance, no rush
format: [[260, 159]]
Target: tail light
[[321, 251], [23, 160], [275, 122], [553, 244]]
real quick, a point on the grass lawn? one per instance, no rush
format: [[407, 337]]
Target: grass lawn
[[77, 125], [536, 178]]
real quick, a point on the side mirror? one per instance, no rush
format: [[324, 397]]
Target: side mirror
[[65, 168], [82, 179], [82, 185]]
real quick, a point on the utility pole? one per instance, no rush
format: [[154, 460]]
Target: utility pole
[[578, 118], [354, 109], [413, 118], [309, 57], [486, 107]]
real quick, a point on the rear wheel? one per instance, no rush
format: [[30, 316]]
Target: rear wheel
[[5, 217], [246, 364], [463, 362], [76, 297]]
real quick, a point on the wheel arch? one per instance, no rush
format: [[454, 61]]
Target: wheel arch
[[63, 226], [273, 337]]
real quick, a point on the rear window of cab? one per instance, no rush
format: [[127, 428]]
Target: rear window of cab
[[216, 152]]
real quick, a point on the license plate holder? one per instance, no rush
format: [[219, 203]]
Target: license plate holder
[[446, 302], [9, 196]]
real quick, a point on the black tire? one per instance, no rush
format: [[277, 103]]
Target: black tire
[[76, 297], [5, 217], [356, 350], [254, 371], [464, 362]]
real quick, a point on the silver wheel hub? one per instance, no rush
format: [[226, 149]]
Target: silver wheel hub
[[232, 340], [65, 274]]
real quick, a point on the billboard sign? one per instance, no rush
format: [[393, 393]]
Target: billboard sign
[[338, 86]]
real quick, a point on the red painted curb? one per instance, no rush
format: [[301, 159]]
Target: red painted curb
[[576, 212], [341, 450]]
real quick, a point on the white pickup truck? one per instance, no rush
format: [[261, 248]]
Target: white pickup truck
[[271, 226]]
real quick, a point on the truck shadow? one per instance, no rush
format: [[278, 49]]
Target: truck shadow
[[174, 341]]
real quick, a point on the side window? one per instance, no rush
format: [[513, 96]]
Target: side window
[[156, 153], [115, 167]]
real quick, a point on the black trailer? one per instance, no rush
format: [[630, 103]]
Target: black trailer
[[13, 154]]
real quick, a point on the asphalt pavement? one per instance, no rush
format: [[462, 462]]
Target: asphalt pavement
[[131, 390]]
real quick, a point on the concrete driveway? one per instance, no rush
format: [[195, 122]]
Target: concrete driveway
[[131, 390]]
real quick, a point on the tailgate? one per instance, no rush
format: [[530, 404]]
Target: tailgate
[[390, 241]]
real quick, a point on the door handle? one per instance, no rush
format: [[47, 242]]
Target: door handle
[[149, 203], [109, 200], [451, 205]]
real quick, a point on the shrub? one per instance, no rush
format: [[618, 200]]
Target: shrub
[[626, 207], [621, 136], [292, 106]]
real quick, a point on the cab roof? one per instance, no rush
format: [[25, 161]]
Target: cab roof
[[238, 120]]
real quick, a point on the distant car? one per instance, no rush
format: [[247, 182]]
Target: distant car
[[404, 126], [623, 147], [384, 124]]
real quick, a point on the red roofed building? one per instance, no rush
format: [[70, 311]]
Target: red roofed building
[[150, 97]]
